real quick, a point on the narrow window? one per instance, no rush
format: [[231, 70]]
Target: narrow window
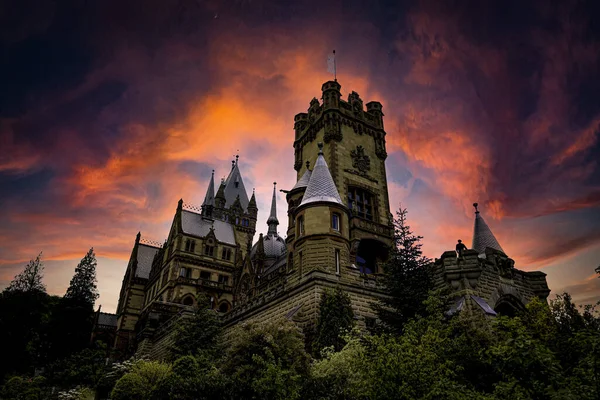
[[300, 260], [183, 272], [335, 221], [300, 225], [192, 245], [209, 250], [187, 245], [337, 261]]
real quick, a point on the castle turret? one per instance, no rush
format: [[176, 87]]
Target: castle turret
[[322, 235]]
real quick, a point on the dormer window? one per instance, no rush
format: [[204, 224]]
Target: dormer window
[[209, 250]]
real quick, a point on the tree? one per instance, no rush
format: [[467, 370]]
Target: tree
[[83, 284], [30, 279], [148, 380], [266, 361], [335, 318], [200, 334], [406, 278]]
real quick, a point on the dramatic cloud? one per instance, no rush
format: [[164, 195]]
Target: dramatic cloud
[[113, 111]]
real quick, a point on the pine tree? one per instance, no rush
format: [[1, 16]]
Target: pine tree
[[406, 278], [83, 284], [30, 279], [335, 318]]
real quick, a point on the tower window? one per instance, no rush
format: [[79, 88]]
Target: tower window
[[362, 203], [209, 250], [335, 221], [185, 272], [300, 225], [337, 261]]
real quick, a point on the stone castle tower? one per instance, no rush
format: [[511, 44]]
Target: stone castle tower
[[339, 222]]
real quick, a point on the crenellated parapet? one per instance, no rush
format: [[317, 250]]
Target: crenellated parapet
[[491, 277]]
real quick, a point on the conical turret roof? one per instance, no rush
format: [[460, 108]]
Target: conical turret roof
[[321, 186], [482, 235]]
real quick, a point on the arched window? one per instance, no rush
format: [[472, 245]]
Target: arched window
[[223, 307], [188, 301]]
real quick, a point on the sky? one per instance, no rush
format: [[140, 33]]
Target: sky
[[112, 111]]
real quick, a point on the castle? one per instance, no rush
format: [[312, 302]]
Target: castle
[[339, 231]]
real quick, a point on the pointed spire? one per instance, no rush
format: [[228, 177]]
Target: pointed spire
[[209, 199], [272, 221], [482, 235], [321, 186], [252, 203]]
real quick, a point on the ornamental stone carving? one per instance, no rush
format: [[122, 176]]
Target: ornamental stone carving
[[360, 160]]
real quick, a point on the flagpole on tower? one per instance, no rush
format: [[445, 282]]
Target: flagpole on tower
[[334, 68], [331, 65]]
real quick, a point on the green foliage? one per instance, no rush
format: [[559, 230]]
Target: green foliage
[[266, 361], [200, 335], [82, 288], [193, 380], [335, 319], [147, 380], [30, 279], [78, 393], [20, 388], [406, 278], [86, 367]]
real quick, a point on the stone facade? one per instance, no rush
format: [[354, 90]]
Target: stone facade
[[339, 232]]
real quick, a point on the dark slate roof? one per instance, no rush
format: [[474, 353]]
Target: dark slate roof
[[274, 246], [321, 186], [107, 319], [279, 263], [303, 181], [483, 236], [145, 256], [194, 224], [484, 306], [234, 186]]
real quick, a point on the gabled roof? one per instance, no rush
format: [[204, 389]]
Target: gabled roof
[[195, 224], [145, 256], [303, 181], [482, 235], [321, 186], [234, 187]]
